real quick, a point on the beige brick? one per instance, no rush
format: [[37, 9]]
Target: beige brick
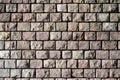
[[42, 35], [71, 63], [54, 17], [29, 17], [55, 54], [36, 26], [73, 26], [72, 7], [77, 54], [61, 64], [49, 63], [49, 45], [42, 73], [24, 8], [28, 54], [61, 26], [78, 36], [66, 73], [23, 26], [61, 45], [21, 43], [83, 64], [49, 7], [83, 45], [73, 45], [84, 7], [42, 54], [37, 7], [42, 17], [55, 73], [66, 54], [28, 35], [36, 64]]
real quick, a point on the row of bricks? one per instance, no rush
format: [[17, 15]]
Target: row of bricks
[[58, 17], [59, 1], [60, 45], [60, 78], [61, 73], [56, 36], [59, 26], [44, 55], [70, 63], [59, 8]]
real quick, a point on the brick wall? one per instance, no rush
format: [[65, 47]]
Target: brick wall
[[59, 40]]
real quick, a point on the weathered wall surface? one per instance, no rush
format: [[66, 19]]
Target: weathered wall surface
[[59, 40]]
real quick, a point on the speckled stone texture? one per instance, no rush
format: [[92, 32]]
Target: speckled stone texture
[[59, 39]]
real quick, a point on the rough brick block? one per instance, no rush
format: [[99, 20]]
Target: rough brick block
[[83, 45], [95, 7], [5, 73], [72, 7], [42, 54], [77, 54], [101, 54], [66, 54], [36, 45], [15, 73], [102, 35], [23, 26], [5, 17], [77, 72], [49, 45], [37, 7], [49, 63], [55, 54], [73, 26], [102, 73], [21, 43], [28, 54], [36, 64], [49, 26], [115, 54], [84, 8], [66, 73], [89, 73], [89, 54], [36, 26], [61, 8], [109, 45], [42, 17], [28, 35], [110, 8], [95, 64], [22, 63], [61, 26], [71, 63], [73, 45], [83, 64], [61, 45], [66, 35], [28, 73], [95, 45], [61, 64], [49, 8], [24, 8], [42, 35], [42, 73], [55, 73], [10, 64], [11, 8], [103, 16]]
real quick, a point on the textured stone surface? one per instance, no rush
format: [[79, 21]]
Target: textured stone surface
[[59, 39]]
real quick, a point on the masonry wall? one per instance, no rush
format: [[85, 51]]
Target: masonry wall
[[59, 40]]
